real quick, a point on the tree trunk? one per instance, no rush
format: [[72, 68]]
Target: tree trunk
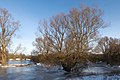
[[4, 59], [4, 56]]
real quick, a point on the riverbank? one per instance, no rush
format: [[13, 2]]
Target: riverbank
[[17, 63]]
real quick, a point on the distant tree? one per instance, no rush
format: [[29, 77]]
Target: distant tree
[[19, 50], [106, 43], [8, 28], [110, 47], [103, 44]]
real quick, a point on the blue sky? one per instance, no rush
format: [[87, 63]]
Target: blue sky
[[30, 12]]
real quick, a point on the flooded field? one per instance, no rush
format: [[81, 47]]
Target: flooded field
[[36, 72]]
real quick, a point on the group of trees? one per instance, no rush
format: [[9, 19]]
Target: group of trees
[[64, 39], [72, 32], [67, 40], [15, 56], [110, 47], [68, 37]]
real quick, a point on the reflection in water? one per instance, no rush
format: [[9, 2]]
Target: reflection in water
[[34, 72]]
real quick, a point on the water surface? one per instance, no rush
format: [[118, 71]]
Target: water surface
[[34, 72]]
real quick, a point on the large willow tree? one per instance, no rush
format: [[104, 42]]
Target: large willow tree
[[71, 33], [77, 29]]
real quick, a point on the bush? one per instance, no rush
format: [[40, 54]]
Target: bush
[[67, 61]]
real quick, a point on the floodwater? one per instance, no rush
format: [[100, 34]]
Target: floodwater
[[36, 72]]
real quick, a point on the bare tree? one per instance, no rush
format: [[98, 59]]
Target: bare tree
[[18, 50], [72, 32], [79, 27], [8, 28], [103, 44], [83, 27], [58, 30], [42, 45], [106, 43], [110, 47], [54, 33], [42, 42]]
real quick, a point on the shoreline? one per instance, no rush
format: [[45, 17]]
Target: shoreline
[[14, 65]]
